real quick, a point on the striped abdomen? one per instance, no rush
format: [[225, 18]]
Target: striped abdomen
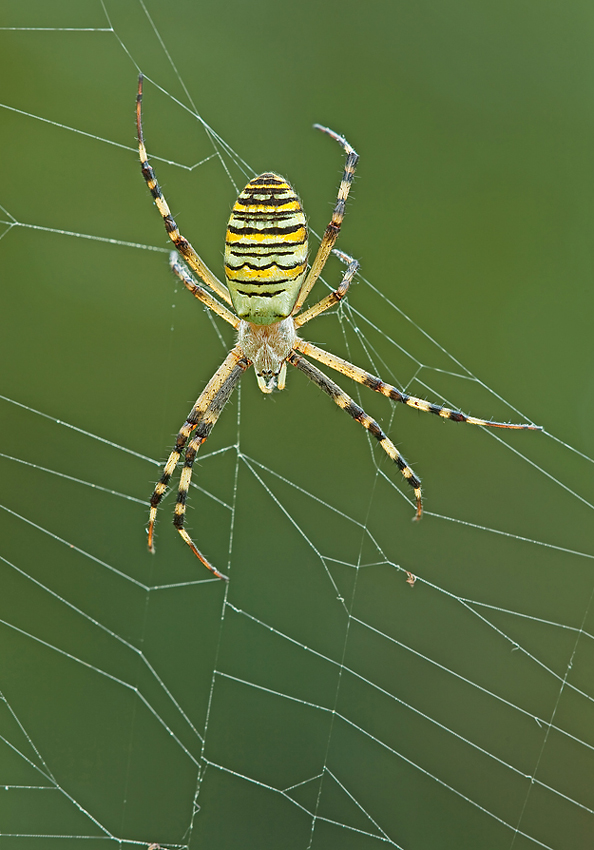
[[266, 250]]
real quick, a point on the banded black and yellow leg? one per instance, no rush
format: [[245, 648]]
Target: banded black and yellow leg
[[333, 228], [200, 407], [199, 292], [207, 422], [367, 380], [334, 297], [163, 482], [182, 244], [346, 403]]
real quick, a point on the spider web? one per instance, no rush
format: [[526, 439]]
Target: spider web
[[361, 680]]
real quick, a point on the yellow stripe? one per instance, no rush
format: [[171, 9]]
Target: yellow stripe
[[185, 478], [250, 206], [264, 274], [390, 449]]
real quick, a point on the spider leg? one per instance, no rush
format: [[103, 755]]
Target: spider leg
[[206, 398], [204, 427], [368, 380], [182, 244], [333, 228], [199, 292], [345, 402], [334, 297]]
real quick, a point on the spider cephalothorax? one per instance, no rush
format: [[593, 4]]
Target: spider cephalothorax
[[267, 285], [268, 347]]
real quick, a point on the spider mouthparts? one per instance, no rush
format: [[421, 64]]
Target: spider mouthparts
[[267, 383]]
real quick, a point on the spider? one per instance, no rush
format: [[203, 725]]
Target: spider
[[267, 284]]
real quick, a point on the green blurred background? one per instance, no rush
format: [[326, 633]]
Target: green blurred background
[[420, 720]]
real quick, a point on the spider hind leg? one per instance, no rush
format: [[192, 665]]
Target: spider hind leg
[[161, 485], [202, 419], [346, 403], [184, 486], [203, 429]]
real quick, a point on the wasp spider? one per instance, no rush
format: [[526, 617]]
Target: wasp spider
[[267, 285]]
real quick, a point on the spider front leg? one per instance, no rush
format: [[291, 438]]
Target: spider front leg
[[333, 228], [202, 418], [346, 403], [199, 292], [334, 297], [181, 243]]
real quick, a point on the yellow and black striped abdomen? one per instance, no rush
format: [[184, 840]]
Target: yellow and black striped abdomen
[[266, 250]]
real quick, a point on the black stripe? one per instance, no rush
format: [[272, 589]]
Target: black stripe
[[275, 231], [260, 294], [277, 285], [379, 386], [455, 415], [182, 245], [269, 246], [267, 190], [372, 383], [375, 429], [253, 267], [268, 177], [251, 246], [263, 253], [258, 215], [267, 201]]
